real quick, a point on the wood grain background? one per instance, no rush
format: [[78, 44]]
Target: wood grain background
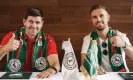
[[67, 19]]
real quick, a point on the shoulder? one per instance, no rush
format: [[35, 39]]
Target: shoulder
[[49, 38], [87, 37], [120, 33], [86, 43], [86, 40], [9, 34], [6, 38]]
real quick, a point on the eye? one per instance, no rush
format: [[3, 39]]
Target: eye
[[101, 15], [30, 21], [38, 22]]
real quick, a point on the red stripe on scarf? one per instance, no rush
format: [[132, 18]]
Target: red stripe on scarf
[[32, 62], [113, 49], [40, 53], [27, 67], [98, 41], [122, 70]]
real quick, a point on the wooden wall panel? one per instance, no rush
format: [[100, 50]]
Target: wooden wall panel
[[90, 3], [65, 19], [29, 2]]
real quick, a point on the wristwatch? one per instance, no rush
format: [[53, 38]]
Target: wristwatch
[[126, 45], [54, 69]]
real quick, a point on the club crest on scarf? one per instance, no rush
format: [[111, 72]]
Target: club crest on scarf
[[14, 65], [116, 60], [39, 40], [40, 63]]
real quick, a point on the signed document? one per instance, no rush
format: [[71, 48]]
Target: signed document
[[16, 75]]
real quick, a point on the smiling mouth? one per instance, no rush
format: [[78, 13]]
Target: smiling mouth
[[99, 23], [33, 28]]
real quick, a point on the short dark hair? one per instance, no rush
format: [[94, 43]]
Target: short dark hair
[[33, 12], [97, 6]]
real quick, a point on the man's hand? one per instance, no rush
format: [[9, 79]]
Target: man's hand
[[100, 70], [117, 41], [12, 44], [47, 73]]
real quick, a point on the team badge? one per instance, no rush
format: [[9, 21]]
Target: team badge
[[116, 60], [40, 63], [39, 43], [14, 65], [69, 61]]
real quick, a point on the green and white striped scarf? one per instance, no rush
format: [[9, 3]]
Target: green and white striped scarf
[[20, 53], [112, 51]]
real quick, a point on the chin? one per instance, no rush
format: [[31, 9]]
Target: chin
[[100, 29], [34, 34]]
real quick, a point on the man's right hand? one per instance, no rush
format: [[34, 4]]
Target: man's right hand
[[12, 44]]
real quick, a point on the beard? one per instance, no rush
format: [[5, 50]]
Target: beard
[[100, 27]]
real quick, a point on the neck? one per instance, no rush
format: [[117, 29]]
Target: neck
[[31, 37], [103, 34]]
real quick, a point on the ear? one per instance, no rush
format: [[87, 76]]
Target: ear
[[42, 22], [24, 21], [108, 18]]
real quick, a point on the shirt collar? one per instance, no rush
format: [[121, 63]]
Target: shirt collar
[[28, 39]]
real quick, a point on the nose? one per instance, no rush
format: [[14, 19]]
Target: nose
[[98, 18], [34, 24]]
